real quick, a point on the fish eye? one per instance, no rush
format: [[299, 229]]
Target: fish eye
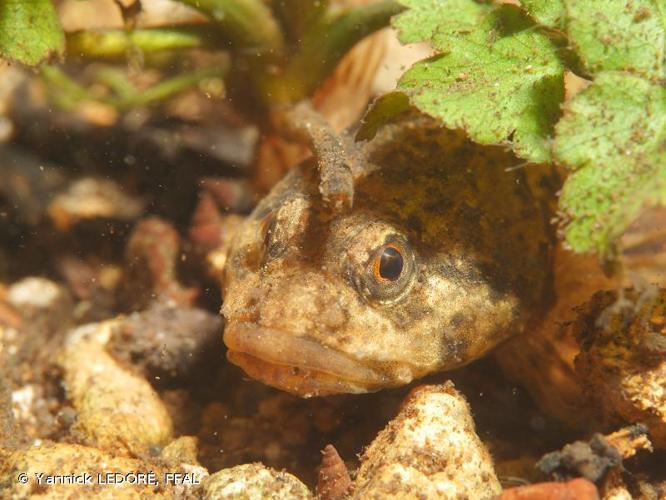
[[389, 273], [388, 265]]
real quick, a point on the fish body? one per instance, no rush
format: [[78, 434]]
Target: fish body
[[444, 254]]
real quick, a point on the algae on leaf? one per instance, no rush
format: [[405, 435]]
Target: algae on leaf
[[499, 76], [29, 31], [550, 13], [500, 81], [382, 111], [614, 135], [438, 21], [617, 35]]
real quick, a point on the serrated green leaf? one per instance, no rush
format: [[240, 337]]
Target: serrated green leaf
[[503, 81], [29, 31], [550, 13], [613, 134], [383, 110], [438, 20], [619, 35]]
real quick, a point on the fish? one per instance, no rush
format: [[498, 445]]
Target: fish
[[443, 253]]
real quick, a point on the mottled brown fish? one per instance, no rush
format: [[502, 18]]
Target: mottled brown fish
[[443, 254]]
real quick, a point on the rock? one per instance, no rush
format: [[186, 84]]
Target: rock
[[576, 489], [430, 450], [254, 481], [22, 470], [93, 198], [168, 341], [182, 450], [85, 472], [40, 300], [117, 410]]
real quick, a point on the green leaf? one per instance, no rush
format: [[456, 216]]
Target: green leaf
[[550, 13], [613, 134], [619, 35], [382, 111], [29, 31], [502, 81], [438, 21]]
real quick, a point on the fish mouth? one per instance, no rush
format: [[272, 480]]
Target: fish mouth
[[297, 365]]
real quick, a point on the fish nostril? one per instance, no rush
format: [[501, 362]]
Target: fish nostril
[[285, 228]]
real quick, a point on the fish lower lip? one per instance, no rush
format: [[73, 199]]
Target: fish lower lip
[[296, 364]]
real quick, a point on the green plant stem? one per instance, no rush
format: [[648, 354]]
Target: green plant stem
[[115, 43], [163, 90], [246, 23], [297, 16], [65, 92], [68, 93], [116, 80], [322, 48]]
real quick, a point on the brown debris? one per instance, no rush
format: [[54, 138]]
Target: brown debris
[[9, 431], [27, 366], [591, 460], [211, 233], [93, 198], [630, 440], [79, 275], [623, 485], [205, 229], [622, 364], [94, 283], [333, 482], [28, 182], [576, 489], [151, 256], [600, 455]]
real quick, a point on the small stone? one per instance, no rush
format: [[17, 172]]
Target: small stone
[[430, 450], [117, 410], [254, 481], [92, 198], [576, 489]]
